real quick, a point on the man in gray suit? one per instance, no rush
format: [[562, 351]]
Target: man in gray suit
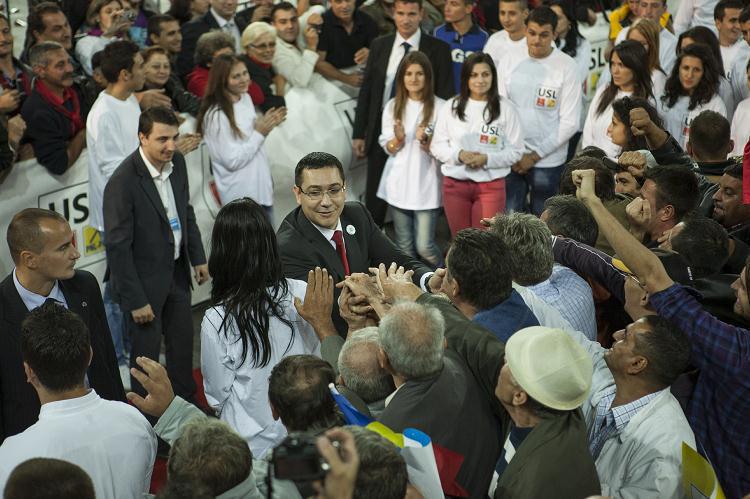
[[152, 242]]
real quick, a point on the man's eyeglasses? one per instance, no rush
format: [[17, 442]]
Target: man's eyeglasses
[[317, 194], [263, 46]]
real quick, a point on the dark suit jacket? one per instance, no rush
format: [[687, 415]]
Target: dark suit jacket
[[20, 403], [193, 30], [139, 240], [370, 103], [303, 247]]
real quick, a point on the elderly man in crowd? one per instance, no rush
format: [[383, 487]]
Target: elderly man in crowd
[[53, 112], [482, 394]]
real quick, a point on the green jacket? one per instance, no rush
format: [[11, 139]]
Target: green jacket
[[554, 459]]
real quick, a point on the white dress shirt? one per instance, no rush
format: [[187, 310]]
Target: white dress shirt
[[295, 65], [33, 300], [397, 53], [111, 136], [166, 194], [240, 164], [411, 178], [229, 26], [328, 233], [110, 440], [237, 390]]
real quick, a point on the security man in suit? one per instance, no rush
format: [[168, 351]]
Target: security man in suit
[[220, 16], [325, 231], [152, 242], [42, 246], [378, 87]]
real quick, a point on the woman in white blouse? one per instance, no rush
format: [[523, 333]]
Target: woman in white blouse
[[630, 76], [477, 138], [234, 134], [252, 323], [411, 179], [691, 88]]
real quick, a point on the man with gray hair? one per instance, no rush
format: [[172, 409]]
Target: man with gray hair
[[436, 393], [53, 113], [529, 243], [360, 372]]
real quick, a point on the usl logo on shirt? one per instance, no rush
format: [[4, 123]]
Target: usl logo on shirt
[[546, 97], [486, 139]]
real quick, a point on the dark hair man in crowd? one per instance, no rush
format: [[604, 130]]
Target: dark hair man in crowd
[[478, 282], [110, 440], [48, 478], [345, 38], [164, 31], [220, 16], [709, 143], [733, 215], [43, 251], [568, 217], [727, 22], [328, 232], [378, 86], [152, 242], [53, 111], [720, 405], [461, 33], [294, 62]]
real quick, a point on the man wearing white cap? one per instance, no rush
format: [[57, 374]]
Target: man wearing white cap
[[545, 379]]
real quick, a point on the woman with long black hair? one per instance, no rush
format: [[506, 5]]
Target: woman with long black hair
[[478, 139], [252, 323], [630, 76], [692, 87]]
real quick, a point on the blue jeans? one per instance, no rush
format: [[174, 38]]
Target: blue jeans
[[542, 182], [117, 329], [415, 230]]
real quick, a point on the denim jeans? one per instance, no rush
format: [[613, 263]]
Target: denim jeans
[[542, 182], [415, 230], [116, 322]]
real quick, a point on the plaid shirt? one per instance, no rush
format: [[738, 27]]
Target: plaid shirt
[[610, 421], [719, 411]]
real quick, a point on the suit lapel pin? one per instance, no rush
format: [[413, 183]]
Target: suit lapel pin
[[83, 304], [351, 230]]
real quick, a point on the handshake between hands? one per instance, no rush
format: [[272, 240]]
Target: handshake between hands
[[364, 300]]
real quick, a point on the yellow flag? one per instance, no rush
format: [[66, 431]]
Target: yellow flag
[[698, 476]]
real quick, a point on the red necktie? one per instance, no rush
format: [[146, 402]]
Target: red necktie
[[338, 238]]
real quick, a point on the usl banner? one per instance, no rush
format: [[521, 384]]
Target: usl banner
[[598, 37]]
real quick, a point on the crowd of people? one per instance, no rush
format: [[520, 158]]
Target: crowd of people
[[588, 317]]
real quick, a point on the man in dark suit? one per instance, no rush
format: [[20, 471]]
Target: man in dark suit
[[42, 246], [325, 231], [220, 16], [152, 241], [385, 55]]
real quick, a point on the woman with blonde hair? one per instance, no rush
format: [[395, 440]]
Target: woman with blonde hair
[[259, 43]]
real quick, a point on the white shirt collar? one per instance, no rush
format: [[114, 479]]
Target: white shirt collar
[[328, 233], [33, 300], [61, 408], [220, 20], [413, 40], [390, 397], [165, 172]]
